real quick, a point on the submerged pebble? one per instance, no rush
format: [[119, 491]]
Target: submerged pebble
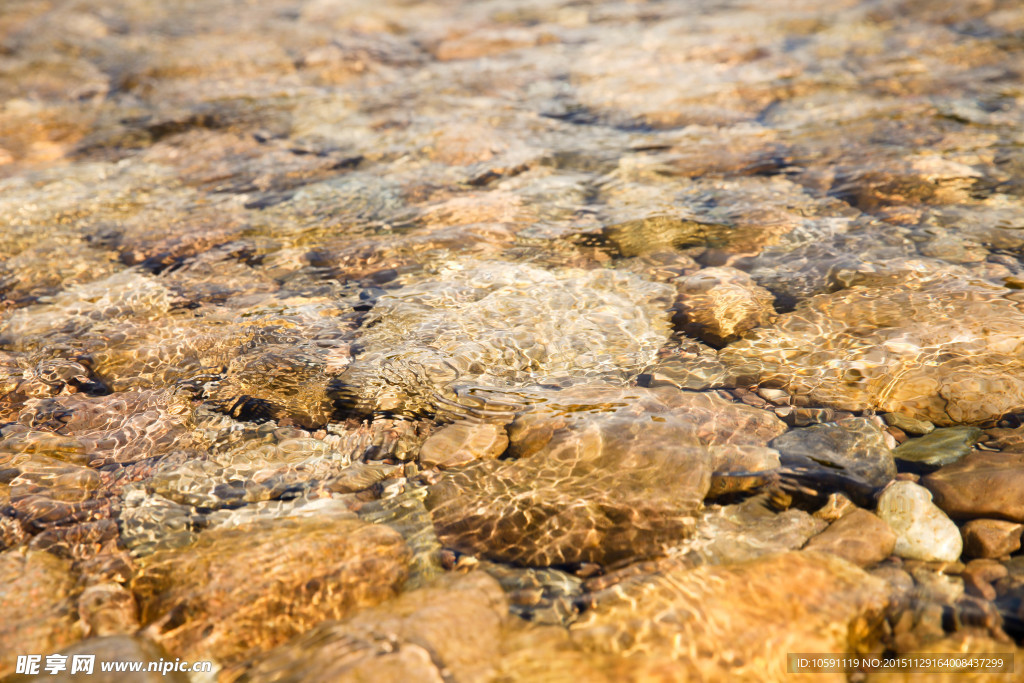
[[939, 447]]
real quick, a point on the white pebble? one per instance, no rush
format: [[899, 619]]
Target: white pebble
[[923, 531]]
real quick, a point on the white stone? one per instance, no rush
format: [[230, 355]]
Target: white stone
[[923, 531]]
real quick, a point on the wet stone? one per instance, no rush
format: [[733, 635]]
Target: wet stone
[[584, 484], [939, 447], [506, 325], [278, 382], [252, 587], [108, 609], [923, 531], [36, 605], [709, 622], [117, 428], [909, 424], [452, 626], [697, 374], [1004, 439], [717, 305], [855, 446], [603, 491], [981, 484], [836, 507], [892, 348], [988, 538], [980, 574], [540, 596], [462, 443], [735, 458], [656, 233], [859, 537], [747, 530]]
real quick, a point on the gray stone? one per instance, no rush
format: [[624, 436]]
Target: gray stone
[[856, 446], [908, 424], [940, 447]]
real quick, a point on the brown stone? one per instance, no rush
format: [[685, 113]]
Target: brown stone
[[981, 485], [860, 537], [37, 609], [606, 489], [108, 609], [598, 474], [452, 625], [462, 443], [717, 305], [835, 507], [255, 586], [840, 349], [736, 458], [979, 575], [991, 537], [711, 621], [744, 531], [1006, 439]]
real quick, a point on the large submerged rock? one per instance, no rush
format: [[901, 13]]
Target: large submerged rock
[[507, 325], [936, 348], [736, 621], [600, 475], [37, 607], [251, 587]]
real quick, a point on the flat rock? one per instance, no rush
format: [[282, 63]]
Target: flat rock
[[923, 531], [462, 443], [935, 347], [747, 530], [602, 491], [717, 305], [991, 537], [506, 325], [697, 373], [254, 586], [37, 606], [939, 447], [737, 458], [981, 485], [856, 446], [859, 537], [600, 474], [713, 421], [909, 424], [452, 626], [122, 427], [1011, 440], [709, 623]]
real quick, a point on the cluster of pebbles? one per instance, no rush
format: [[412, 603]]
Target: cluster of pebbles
[[543, 340]]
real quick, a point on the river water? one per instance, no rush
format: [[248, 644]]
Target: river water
[[534, 340]]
